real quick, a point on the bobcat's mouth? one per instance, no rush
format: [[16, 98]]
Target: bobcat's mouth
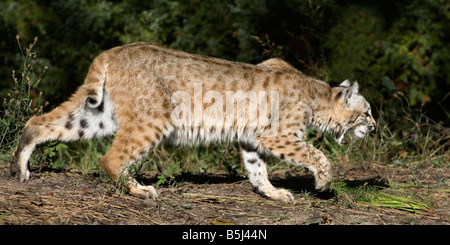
[[339, 137], [361, 131], [358, 132]]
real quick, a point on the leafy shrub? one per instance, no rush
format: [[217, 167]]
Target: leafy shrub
[[17, 106]]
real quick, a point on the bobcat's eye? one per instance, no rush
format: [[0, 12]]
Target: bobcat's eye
[[367, 113]]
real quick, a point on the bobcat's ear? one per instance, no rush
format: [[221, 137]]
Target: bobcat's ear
[[354, 88], [350, 91], [345, 84]]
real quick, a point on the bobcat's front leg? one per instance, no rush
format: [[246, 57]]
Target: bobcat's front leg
[[294, 150], [257, 174]]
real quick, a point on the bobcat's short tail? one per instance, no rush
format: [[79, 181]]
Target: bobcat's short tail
[[95, 81]]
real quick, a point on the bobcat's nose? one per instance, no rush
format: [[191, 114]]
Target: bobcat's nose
[[370, 128]]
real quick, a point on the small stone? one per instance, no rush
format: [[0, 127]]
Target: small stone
[[313, 221], [149, 202], [386, 218]]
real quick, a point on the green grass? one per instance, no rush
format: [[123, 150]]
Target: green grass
[[371, 195], [172, 161]]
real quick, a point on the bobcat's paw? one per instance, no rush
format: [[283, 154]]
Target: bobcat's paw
[[141, 191], [24, 175], [278, 195], [323, 185]]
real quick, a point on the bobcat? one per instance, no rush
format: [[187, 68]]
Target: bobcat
[[146, 94]]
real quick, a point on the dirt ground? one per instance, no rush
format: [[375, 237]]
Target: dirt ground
[[69, 197]]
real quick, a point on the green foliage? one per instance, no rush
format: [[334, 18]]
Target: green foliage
[[85, 155], [49, 155], [168, 177], [394, 47]]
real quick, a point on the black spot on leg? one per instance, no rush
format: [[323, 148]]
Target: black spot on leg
[[80, 133], [253, 160], [83, 123], [101, 125], [261, 156], [282, 157], [68, 125]]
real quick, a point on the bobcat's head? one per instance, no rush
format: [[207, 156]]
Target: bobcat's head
[[350, 111]]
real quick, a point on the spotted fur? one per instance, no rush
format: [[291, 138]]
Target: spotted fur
[[136, 90]]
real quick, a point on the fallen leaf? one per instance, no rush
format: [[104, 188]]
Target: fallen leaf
[[222, 222]]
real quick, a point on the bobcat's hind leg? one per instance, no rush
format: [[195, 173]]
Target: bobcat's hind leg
[[19, 160], [55, 125], [69, 122], [257, 174]]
